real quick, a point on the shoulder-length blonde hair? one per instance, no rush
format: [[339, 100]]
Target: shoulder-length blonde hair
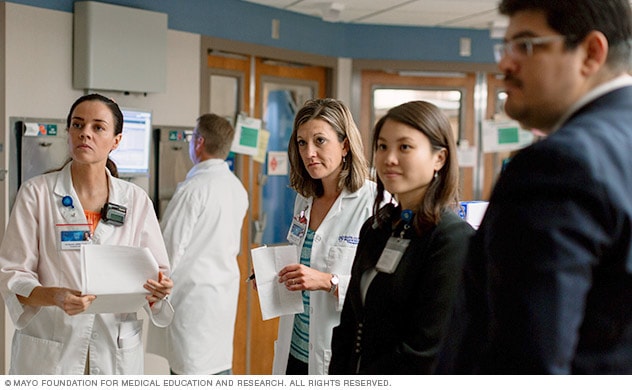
[[355, 167], [442, 193]]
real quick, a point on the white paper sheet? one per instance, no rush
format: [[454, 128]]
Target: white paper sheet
[[116, 275], [275, 300]]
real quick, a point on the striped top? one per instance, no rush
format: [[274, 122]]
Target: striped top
[[299, 348]]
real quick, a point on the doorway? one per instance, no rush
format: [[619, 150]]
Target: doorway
[[271, 90]]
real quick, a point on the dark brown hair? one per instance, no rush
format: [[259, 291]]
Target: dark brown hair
[[442, 193], [116, 113]]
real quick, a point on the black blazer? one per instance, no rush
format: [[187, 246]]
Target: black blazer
[[548, 284], [399, 329]]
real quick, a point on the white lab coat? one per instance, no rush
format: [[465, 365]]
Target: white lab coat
[[202, 231], [333, 250], [47, 340]]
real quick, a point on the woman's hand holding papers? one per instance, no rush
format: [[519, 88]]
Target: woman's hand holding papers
[[70, 301], [159, 289]]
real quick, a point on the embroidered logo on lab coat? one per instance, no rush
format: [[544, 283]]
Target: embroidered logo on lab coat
[[349, 239]]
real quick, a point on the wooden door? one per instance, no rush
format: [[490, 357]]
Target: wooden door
[[254, 338], [264, 333], [239, 68]]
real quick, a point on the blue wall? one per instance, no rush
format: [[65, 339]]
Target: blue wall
[[247, 22]]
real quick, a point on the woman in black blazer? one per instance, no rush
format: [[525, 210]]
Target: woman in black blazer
[[409, 258]]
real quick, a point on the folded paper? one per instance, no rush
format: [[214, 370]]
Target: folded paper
[[116, 275]]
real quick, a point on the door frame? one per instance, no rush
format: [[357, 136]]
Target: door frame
[[395, 66], [464, 82], [208, 44], [253, 341]]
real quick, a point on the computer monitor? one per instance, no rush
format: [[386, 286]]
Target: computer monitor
[[132, 155]]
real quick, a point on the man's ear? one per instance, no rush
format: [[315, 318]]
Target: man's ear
[[199, 146], [596, 47]]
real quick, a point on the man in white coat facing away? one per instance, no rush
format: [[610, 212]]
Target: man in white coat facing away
[[202, 229]]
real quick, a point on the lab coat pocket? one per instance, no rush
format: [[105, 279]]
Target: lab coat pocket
[[129, 355], [130, 334], [26, 350], [340, 259]]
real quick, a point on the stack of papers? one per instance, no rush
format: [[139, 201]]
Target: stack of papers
[[274, 298], [116, 275]]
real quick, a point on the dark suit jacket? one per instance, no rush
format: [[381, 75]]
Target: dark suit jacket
[[399, 328], [548, 283]]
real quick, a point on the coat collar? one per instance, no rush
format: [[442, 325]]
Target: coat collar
[[337, 206], [63, 187], [344, 195], [205, 166]]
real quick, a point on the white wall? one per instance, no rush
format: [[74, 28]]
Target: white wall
[[39, 84]]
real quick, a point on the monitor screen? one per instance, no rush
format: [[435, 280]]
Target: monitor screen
[[132, 155]]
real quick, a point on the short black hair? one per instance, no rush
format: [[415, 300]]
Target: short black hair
[[575, 19]]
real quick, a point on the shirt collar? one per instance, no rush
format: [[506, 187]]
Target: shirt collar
[[602, 89], [203, 165]]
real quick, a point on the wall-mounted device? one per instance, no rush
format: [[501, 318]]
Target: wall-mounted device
[[38, 145], [118, 48]]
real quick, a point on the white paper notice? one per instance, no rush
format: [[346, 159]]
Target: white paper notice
[[116, 275], [31, 129], [275, 300]]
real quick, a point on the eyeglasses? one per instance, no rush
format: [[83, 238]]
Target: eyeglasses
[[522, 47], [191, 136]]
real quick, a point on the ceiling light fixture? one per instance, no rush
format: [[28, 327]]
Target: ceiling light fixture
[[332, 11], [497, 28]]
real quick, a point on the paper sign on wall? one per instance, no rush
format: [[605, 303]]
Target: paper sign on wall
[[262, 148], [278, 164], [246, 139], [40, 129], [466, 154], [504, 136]]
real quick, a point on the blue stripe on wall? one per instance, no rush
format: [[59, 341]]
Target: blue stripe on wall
[[247, 22]]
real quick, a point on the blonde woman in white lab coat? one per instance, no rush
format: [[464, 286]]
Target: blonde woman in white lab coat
[[335, 197], [40, 275]]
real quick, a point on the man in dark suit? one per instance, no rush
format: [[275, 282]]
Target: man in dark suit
[[548, 282]]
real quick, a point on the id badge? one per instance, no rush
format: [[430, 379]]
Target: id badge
[[297, 231], [72, 236], [392, 254]]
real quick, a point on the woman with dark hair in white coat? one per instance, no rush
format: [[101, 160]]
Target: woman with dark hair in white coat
[[40, 271]]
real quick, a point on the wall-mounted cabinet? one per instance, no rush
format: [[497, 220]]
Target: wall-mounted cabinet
[[119, 48]]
